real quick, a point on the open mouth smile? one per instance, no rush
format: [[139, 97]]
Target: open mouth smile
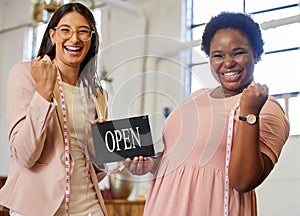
[[231, 74], [73, 48]]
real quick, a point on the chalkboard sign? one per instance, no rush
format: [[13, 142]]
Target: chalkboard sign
[[122, 138]]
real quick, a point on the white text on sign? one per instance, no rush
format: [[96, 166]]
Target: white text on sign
[[127, 136]]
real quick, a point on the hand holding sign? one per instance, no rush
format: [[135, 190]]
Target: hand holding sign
[[139, 165], [123, 138]]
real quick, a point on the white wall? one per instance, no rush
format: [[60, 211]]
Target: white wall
[[130, 31], [13, 13], [279, 194]]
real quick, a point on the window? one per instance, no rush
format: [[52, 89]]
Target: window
[[279, 65]]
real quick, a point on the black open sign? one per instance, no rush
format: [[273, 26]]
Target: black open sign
[[119, 139]]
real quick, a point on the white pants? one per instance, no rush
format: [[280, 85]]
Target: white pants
[[13, 213]]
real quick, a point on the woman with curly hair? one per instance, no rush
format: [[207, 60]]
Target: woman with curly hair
[[221, 143]]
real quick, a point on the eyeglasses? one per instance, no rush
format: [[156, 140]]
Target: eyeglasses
[[66, 33]]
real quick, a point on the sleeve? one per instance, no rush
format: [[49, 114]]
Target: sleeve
[[274, 129], [28, 115]]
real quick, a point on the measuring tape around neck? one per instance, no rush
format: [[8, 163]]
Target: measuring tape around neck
[[67, 139], [227, 159], [67, 144]]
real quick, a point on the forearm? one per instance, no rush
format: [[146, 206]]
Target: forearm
[[156, 160], [28, 130], [246, 162]]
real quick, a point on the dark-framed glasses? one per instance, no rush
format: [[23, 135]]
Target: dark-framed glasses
[[66, 33]]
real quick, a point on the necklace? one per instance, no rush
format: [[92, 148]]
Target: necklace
[[234, 92]]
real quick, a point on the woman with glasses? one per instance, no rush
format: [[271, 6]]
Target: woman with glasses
[[221, 143], [50, 104]]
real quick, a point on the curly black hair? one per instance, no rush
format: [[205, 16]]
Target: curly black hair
[[240, 21]]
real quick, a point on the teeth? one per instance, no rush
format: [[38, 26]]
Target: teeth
[[230, 74], [73, 48]]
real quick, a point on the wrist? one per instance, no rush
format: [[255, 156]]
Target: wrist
[[156, 156], [250, 118], [155, 159]]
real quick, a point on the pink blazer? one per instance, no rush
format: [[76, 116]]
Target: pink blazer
[[36, 178]]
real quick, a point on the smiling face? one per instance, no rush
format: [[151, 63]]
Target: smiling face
[[232, 60], [71, 51]]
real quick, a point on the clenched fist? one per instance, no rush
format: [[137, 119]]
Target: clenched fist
[[44, 73], [253, 98]]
